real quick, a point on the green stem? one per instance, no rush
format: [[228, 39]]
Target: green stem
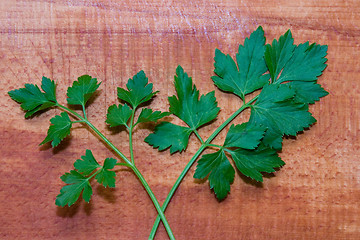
[[199, 137], [213, 145], [123, 164], [155, 202], [130, 135], [107, 141], [193, 159], [127, 163], [84, 111]]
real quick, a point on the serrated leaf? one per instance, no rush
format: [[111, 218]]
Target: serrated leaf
[[187, 105], [69, 194], [276, 110], [248, 75], [106, 177], [221, 173], [87, 164], [306, 63], [32, 99], [81, 90], [148, 115], [307, 92], [118, 115], [49, 88], [278, 54], [139, 91], [58, 130], [169, 135], [252, 162], [244, 136]]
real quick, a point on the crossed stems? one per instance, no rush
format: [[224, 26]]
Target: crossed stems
[[131, 164], [204, 145]]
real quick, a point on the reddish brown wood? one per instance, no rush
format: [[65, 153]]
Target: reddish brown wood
[[315, 196]]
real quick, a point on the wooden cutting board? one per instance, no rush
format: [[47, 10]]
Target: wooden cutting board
[[314, 196]]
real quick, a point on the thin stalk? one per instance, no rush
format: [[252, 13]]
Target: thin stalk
[[129, 164], [83, 107], [107, 141], [199, 137], [193, 159], [213, 145], [131, 128], [155, 202]]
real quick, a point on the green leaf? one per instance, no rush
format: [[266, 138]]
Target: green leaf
[[169, 135], [244, 136], [306, 63], [106, 177], [32, 99], [307, 92], [87, 164], [252, 162], [248, 75], [278, 54], [81, 90], [188, 107], [69, 194], [147, 115], [139, 91], [276, 110], [59, 129], [118, 115], [49, 88], [221, 173]]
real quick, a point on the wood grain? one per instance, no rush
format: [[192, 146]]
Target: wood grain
[[315, 196]]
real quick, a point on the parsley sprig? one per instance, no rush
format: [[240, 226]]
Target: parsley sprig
[[283, 74], [287, 76], [138, 91]]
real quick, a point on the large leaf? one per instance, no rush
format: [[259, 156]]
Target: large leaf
[[69, 194], [248, 75], [253, 162], [81, 90], [59, 129], [221, 173], [139, 91], [187, 105], [169, 135], [32, 99], [280, 114]]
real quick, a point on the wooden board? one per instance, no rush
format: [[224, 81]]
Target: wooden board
[[314, 196]]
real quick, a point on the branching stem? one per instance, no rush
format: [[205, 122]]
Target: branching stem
[[204, 145]]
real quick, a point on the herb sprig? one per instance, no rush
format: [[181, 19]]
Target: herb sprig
[[284, 75], [287, 76]]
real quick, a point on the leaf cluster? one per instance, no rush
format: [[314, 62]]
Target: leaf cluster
[[78, 180], [286, 75]]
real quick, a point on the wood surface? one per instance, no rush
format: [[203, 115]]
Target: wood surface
[[314, 196]]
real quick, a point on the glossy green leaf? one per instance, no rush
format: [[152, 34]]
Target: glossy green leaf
[[105, 176], [70, 193], [148, 115], [187, 105], [169, 135], [138, 90], [280, 114], [32, 99], [244, 136], [59, 129], [81, 90], [118, 115], [248, 74], [253, 162], [87, 164], [218, 168]]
